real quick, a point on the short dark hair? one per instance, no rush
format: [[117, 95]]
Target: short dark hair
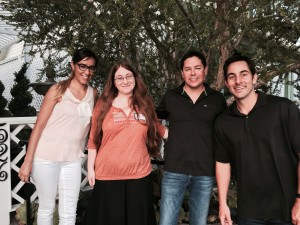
[[236, 57], [192, 53]]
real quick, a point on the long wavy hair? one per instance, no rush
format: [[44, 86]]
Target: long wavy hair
[[140, 101], [78, 55]]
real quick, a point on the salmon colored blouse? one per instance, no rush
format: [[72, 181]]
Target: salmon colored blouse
[[123, 153]]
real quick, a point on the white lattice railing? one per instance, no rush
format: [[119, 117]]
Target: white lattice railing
[[12, 131]]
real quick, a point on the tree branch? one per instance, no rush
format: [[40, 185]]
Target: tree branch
[[189, 19]]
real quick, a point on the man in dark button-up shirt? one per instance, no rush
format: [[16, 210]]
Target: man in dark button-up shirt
[[258, 137], [191, 110]]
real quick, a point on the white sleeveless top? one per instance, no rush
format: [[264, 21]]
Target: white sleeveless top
[[64, 137]]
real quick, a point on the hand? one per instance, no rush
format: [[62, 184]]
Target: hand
[[91, 177], [296, 212], [25, 171], [224, 215]]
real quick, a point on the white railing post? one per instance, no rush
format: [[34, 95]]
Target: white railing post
[[5, 174], [11, 194]]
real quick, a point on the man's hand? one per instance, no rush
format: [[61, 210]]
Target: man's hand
[[224, 215], [296, 212]]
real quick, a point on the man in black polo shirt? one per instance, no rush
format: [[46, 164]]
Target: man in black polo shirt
[[258, 137], [191, 110]]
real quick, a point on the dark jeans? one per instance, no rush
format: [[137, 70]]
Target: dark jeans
[[243, 221]]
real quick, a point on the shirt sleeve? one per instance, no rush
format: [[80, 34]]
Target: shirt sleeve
[[221, 152], [161, 110], [294, 126], [91, 144]]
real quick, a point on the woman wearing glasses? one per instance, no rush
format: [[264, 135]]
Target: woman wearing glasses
[[124, 134], [57, 141]]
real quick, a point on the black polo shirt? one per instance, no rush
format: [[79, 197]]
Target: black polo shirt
[[189, 149], [262, 148]]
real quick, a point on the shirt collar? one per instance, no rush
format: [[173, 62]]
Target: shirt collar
[[261, 102], [207, 89]]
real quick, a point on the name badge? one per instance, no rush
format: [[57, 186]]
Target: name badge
[[139, 117]]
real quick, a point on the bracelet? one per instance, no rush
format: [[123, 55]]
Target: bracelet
[[297, 195]]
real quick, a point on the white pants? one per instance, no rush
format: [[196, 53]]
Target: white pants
[[51, 177]]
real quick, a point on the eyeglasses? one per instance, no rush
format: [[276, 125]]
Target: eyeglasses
[[84, 67], [121, 79]]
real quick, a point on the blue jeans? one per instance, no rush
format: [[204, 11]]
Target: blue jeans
[[243, 221], [174, 187]]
